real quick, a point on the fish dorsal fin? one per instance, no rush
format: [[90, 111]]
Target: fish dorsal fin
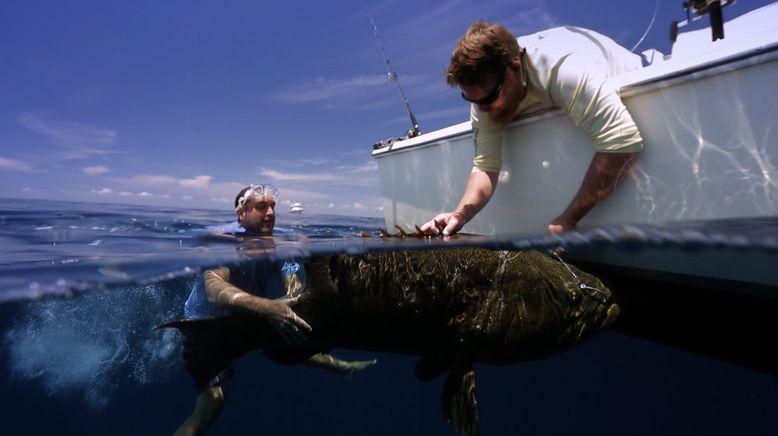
[[458, 398]]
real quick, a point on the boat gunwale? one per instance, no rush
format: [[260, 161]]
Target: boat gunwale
[[744, 59]]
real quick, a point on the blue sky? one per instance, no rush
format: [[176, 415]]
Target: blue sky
[[181, 103]]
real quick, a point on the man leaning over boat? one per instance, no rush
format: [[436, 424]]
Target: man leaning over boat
[[566, 67], [246, 289]]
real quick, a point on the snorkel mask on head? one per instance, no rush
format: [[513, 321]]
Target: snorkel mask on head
[[258, 190]]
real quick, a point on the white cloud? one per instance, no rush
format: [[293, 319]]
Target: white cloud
[[95, 170], [325, 89], [369, 166], [198, 182], [162, 181], [279, 176], [424, 40], [143, 194], [146, 194], [304, 162], [159, 187], [323, 183], [148, 180], [350, 175], [529, 16], [77, 141], [14, 165], [294, 195]]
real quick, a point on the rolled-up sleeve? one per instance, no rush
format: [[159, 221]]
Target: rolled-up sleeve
[[594, 105], [487, 139]]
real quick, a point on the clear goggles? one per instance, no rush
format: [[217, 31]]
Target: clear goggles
[[258, 190]]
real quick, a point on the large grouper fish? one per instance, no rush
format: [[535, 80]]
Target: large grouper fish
[[450, 307]]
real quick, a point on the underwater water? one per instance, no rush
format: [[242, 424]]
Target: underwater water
[[83, 285]]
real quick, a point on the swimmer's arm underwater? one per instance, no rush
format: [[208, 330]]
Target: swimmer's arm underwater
[[279, 312], [222, 293]]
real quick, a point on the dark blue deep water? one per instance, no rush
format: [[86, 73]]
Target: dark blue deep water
[[83, 285]]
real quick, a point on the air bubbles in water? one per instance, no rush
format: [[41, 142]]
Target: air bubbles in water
[[85, 344]]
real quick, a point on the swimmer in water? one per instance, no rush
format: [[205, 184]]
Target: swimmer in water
[[245, 289]]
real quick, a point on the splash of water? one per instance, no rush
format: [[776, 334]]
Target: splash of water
[[98, 341]]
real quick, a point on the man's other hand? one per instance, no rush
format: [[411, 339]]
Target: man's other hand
[[444, 224]]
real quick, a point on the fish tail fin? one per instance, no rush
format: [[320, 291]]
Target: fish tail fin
[[458, 398]]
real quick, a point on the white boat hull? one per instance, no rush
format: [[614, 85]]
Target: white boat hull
[[710, 125]]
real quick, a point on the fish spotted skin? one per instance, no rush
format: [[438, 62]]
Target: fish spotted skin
[[450, 307]]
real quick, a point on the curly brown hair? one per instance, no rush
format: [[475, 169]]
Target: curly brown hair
[[484, 49]]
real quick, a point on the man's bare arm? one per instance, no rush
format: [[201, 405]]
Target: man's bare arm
[[279, 312], [605, 172], [478, 191]]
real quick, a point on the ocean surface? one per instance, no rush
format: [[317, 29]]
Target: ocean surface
[[82, 285]]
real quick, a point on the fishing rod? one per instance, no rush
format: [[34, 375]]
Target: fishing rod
[[414, 130]]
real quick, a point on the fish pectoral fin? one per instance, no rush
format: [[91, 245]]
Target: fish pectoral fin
[[458, 398], [188, 325], [213, 326]]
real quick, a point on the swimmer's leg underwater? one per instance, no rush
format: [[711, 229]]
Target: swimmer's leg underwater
[[450, 307], [212, 344], [208, 407]]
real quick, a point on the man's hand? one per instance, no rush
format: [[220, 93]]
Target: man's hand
[[478, 190], [606, 171], [561, 224], [444, 224], [291, 327]]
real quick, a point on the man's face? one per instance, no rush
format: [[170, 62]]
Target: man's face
[[259, 215], [502, 109]]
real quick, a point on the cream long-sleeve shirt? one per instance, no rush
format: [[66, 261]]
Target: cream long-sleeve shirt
[[569, 68]]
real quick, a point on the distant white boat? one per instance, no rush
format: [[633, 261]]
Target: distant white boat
[[296, 208]]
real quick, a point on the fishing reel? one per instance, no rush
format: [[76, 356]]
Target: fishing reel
[[696, 9], [412, 133]]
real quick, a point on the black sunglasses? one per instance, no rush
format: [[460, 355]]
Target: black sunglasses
[[492, 96]]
